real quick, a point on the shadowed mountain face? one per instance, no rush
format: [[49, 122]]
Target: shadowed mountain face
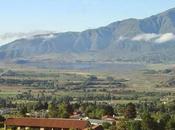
[[139, 40]]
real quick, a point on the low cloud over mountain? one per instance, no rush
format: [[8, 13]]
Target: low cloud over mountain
[[135, 40], [9, 37], [157, 38]]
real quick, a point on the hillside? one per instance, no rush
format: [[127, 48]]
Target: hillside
[[137, 40]]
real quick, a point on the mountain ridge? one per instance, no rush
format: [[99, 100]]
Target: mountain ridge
[[138, 40]]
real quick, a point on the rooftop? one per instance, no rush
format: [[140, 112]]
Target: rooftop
[[47, 122]]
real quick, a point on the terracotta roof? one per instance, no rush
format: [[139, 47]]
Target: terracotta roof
[[47, 122]]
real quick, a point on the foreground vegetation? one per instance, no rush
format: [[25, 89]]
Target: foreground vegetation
[[137, 100]]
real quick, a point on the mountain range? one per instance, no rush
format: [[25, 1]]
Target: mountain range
[[150, 40]]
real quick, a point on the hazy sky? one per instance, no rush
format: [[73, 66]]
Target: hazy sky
[[72, 15]]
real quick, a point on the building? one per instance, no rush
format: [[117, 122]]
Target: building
[[48, 124], [96, 122], [109, 118], [99, 122]]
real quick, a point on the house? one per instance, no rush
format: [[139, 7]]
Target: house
[[109, 118], [97, 122], [47, 124]]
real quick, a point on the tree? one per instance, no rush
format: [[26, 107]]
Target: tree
[[99, 113], [148, 123], [130, 111], [171, 124], [108, 110], [122, 125], [106, 125], [23, 110], [52, 111], [2, 119], [63, 111], [134, 125], [163, 121]]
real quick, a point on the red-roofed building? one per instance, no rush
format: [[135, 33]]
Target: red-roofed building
[[46, 124]]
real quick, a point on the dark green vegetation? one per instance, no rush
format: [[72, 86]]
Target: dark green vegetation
[[35, 92]]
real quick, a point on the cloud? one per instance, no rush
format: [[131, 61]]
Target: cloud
[[50, 36], [145, 37], [9, 37], [156, 38], [121, 38], [165, 38]]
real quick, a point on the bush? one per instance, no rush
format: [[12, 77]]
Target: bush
[[106, 125]]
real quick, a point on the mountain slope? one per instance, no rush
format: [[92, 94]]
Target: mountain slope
[[149, 40]]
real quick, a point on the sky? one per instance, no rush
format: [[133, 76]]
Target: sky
[[24, 16]]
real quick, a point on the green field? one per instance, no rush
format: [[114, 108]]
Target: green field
[[121, 83]]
